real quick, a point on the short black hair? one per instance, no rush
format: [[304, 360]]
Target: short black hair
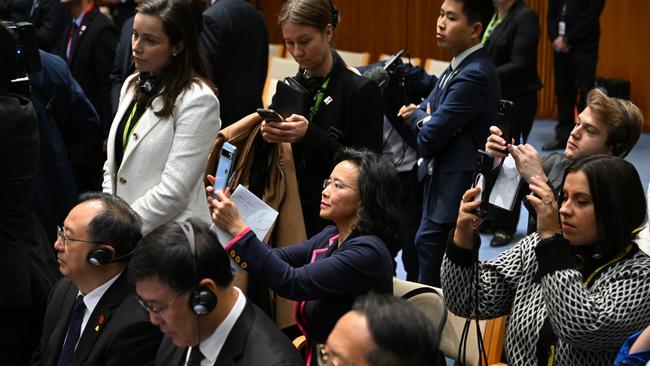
[[7, 55], [404, 336], [117, 224], [477, 11], [618, 197], [379, 191], [165, 253]]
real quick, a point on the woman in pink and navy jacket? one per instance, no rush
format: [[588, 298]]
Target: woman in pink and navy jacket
[[325, 273]]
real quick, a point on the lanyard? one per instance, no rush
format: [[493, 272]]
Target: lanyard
[[587, 282], [125, 134], [494, 22], [319, 96]]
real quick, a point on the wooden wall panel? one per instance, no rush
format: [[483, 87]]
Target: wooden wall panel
[[386, 26]]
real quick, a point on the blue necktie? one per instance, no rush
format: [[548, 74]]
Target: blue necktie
[[195, 357], [74, 330]]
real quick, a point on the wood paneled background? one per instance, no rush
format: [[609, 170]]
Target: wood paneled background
[[386, 26]]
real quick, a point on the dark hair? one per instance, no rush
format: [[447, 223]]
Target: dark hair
[[165, 253], [181, 22], [7, 55], [379, 191], [618, 197], [117, 224], [315, 13], [622, 118], [477, 11], [403, 335]]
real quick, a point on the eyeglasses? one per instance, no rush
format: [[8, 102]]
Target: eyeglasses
[[60, 233], [154, 306], [337, 184]]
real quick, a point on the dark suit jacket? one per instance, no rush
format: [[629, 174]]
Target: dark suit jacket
[[123, 65], [235, 42], [462, 112], [49, 18], [582, 22], [254, 340], [512, 46], [92, 60], [125, 338], [355, 111], [26, 271], [323, 279]]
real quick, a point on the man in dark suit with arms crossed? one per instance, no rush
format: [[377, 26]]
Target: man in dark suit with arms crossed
[[451, 125], [93, 316]]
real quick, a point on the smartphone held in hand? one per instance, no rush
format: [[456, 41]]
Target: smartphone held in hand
[[270, 115], [224, 173]]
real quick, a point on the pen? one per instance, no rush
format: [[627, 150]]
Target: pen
[[521, 138]]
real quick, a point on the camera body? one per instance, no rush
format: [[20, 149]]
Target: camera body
[[28, 60]]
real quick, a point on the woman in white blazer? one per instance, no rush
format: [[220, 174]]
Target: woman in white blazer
[[166, 121]]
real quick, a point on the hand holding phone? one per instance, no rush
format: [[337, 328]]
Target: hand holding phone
[[506, 123], [223, 175], [270, 115]]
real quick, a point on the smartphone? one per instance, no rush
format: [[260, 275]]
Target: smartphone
[[270, 115], [483, 167], [506, 123], [224, 172]]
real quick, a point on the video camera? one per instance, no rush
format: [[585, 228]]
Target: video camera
[[28, 60]]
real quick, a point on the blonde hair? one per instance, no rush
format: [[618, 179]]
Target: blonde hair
[[315, 13], [623, 119]]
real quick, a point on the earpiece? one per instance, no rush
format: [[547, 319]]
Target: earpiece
[[100, 257], [147, 84], [202, 300]]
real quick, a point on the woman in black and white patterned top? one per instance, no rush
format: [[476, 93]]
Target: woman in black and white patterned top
[[573, 290]]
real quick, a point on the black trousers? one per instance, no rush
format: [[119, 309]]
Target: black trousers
[[524, 111], [411, 198], [575, 76], [21, 332]]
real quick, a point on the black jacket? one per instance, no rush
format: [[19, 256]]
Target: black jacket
[[92, 60], [512, 46], [253, 340], [118, 331], [582, 22], [235, 42], [49, 18], [349, 116]]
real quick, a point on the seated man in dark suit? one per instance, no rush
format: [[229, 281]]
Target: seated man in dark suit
[[381, 330], [451, 125], [183, 278], [93, 316]]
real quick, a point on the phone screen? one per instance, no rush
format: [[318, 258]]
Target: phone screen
[[226, 158]]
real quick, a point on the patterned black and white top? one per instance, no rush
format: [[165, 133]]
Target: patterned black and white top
[[536, 279]]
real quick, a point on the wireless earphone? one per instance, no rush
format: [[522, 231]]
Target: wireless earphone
[[202, 300]]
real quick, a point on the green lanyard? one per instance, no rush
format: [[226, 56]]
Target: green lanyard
[[320, 95], [125, 134], [493, 24]]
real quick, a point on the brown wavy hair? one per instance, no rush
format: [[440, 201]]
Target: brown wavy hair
[[182, 21]]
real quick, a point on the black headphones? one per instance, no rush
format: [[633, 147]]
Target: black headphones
[[202, 300], [621, 149], [103, 256], [147, 84]]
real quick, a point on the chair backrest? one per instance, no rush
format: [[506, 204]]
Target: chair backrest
[[278, 69], [355, 58], [276, 49], [415, 61], [431, 303], [435, 67]]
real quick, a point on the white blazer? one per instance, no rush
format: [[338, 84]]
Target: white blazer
[[161, 174]]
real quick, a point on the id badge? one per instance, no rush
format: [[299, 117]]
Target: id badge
[[561, 28]]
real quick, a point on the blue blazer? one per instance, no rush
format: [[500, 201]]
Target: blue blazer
[[323, 279], [462, 112]]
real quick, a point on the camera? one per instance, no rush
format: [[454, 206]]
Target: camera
[[28, 60]]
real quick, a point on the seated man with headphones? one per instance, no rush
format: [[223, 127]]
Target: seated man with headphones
[[183, 278], [92, 314], [606, 126]]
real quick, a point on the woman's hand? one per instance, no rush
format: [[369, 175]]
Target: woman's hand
[[528, 162], [543, 201], [223, 210], [467, 221], [292, 130]]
